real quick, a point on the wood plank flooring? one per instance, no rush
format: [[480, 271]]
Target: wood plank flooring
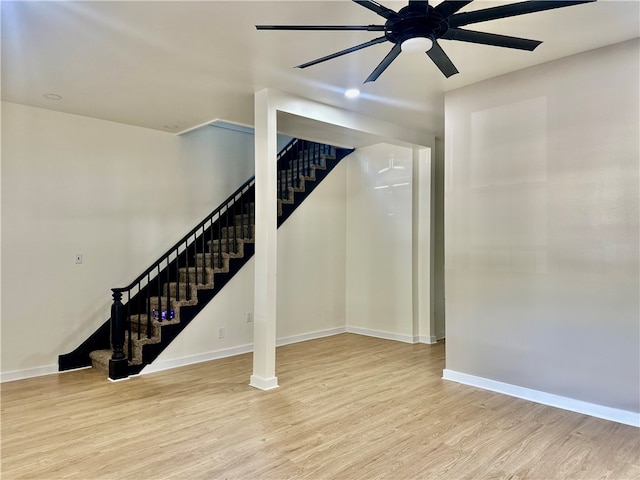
[[348, 407]]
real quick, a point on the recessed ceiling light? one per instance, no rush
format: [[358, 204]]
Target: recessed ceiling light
[[352, 93], [52, 96]]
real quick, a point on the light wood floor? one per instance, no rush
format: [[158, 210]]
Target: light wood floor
[[348, 407]]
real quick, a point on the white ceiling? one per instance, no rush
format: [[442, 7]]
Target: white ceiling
[[176, 63]]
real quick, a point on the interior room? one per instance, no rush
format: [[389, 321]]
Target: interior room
[[451, 290]]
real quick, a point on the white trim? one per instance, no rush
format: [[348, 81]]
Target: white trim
[[28, 373], [263, 383], [309, 336], [236, 127], [600, 411], [118, 379], [160, 365], [400, 337], [428, 340], [196, 127], [240, 127]]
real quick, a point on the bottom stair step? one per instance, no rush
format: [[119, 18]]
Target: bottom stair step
[[100, 360]]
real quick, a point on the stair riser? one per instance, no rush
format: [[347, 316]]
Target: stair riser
[[305, 168], [213, 261], [142, 329], [242, 231], [307, 159], [295, 186], [225, 246], [100, 360], [197, 281], [244, 220], [185, 293], [228, 248], [165, 304]]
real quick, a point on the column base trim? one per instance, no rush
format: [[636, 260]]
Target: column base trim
[[263, 383]]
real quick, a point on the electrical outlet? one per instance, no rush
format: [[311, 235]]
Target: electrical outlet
[[78, 258], [221, 332], [249, 317]]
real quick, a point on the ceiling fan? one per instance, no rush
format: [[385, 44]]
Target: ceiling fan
[[419, 26]]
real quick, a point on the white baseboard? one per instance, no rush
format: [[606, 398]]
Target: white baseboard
[[28, 373], [309, 336], [614, 414], [400, 337], [160, 365], [428, 340]]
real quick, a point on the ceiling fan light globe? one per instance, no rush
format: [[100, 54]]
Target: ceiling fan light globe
[[417, 45]]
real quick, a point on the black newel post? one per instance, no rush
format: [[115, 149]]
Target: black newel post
[[118, 364]]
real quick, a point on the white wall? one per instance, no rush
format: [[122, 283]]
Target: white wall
[[379, 241], [311, 261], [542, 234], [120, 195]]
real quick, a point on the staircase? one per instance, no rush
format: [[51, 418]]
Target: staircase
[[153, 309]]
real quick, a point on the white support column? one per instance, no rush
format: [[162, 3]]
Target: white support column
[[266, 238], [423, 314]]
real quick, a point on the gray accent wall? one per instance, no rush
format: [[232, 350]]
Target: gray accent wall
[[542, 230]]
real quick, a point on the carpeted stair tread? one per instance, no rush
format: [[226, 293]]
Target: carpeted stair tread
[[140, 324], [241, 232], [195, 277], [244, 219], [219, 263], [165, 303], [100, 359], [188, 294], [224, 246]]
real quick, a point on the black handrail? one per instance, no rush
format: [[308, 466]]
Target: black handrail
[[214, 239]]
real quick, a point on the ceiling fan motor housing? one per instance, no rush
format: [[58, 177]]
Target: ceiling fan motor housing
[[416, 21]]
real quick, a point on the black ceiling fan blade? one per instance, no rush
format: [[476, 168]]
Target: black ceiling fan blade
[[369, 28], [377, 8], [514, 9], [490, 39], [386, 61], [344, 52], [442, 61], [449, 7]]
